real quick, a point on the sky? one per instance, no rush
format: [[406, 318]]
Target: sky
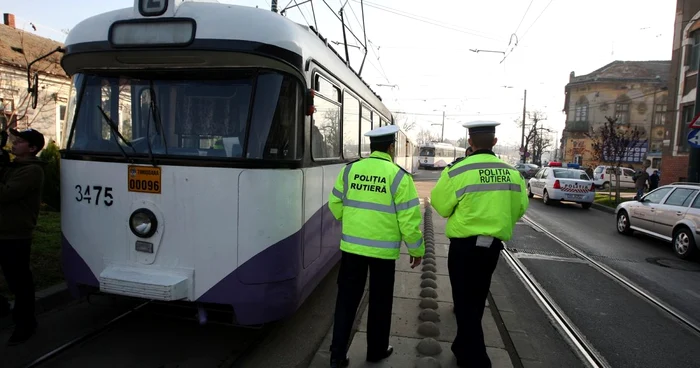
[[418, 52]]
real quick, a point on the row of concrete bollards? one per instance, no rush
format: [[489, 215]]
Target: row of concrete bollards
[[429, 347]]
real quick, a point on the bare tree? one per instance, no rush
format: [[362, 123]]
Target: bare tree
[[540, 143], [426, 136], [613, 143], [535, 117]]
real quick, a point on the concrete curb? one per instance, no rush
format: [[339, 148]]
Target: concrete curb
[[46, 300], [602, 208]]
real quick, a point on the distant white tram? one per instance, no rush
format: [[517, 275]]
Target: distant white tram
[[438, 155], [202, 142]]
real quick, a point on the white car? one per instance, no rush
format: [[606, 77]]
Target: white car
[[562, 184]]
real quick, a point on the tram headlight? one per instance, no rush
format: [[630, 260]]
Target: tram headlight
[[143, 223]]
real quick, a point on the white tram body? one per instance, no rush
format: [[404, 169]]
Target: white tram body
[[218, 191], [437, 155]]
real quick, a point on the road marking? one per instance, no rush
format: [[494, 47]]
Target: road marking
[[692, 293]]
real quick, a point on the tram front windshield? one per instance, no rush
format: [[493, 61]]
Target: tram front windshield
[[242, 114], [429, 152]]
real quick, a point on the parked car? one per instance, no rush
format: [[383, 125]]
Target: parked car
[[527, 170], [562, 184], [605, 176], [670, 213]]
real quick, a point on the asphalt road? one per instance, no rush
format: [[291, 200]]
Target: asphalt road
[[427, 175], [625, 329], [170, 336]]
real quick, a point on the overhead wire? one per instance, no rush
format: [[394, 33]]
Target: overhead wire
[[436, 23]]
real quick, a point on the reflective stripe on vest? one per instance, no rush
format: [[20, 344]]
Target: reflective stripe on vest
[[371, 242], [471, 188]]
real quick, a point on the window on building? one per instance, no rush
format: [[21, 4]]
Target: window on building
[[61, 120], [660, 114], [581, 112], [694, 51], [622, 112]]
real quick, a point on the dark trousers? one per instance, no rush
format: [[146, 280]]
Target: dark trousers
[[14, 260], [470, 269], [351, 284]]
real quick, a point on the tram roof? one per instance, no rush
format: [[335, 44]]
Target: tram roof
[[227, 22]]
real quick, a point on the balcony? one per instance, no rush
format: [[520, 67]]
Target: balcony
[[577, 126]]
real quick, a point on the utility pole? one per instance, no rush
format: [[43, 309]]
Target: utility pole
[[442, 135], [274, 6], [522, 137]]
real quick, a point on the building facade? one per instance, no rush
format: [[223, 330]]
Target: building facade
[[634, 92], [683, 83], [17, 49]]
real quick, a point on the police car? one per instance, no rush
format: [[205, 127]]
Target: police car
[[556, 183]]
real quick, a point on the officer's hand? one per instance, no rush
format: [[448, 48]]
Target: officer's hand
[[415, 261]]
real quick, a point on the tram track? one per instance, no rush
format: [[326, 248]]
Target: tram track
[[228, 359], [583, 347]]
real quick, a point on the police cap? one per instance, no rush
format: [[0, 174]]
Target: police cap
[[385, 134], [481, 126]]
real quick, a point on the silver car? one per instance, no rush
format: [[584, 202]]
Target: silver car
[[670, 213]]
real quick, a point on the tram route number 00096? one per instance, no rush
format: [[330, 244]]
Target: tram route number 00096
[[144, 179]]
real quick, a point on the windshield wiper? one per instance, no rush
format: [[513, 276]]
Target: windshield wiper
[[115, 130], [158, 123]]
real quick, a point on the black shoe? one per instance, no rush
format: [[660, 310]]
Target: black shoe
[[376, 358], [21, 335], [337, 363]]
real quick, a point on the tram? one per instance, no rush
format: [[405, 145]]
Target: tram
[[202, 142]]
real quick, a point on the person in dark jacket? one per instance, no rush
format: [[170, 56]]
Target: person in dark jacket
[[654, 180], [21, 183]]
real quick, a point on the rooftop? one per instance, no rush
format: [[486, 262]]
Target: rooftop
[[18, 48], [618, 71]]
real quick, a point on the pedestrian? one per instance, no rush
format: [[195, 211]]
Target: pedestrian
[[21, 183], [482, 197], [640, 181], [654, 180], [378, 206]]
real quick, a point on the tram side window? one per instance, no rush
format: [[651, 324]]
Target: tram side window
[[365, 126], [325, 137], [275, 132], [351, 126]]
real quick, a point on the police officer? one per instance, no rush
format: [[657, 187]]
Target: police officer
[[483, 198], [377, 203]]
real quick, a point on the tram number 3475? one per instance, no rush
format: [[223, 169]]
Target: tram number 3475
[[104, 193], [144, 185]]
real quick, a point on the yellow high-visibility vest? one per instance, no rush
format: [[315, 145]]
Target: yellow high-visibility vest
[[378, 204], [480, 195]]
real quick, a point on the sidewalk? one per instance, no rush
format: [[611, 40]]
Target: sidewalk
[[421, 295]]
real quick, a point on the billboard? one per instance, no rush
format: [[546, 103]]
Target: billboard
[[636, 153]]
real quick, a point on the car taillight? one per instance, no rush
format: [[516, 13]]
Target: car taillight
[[557, 185], [592, 188]]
